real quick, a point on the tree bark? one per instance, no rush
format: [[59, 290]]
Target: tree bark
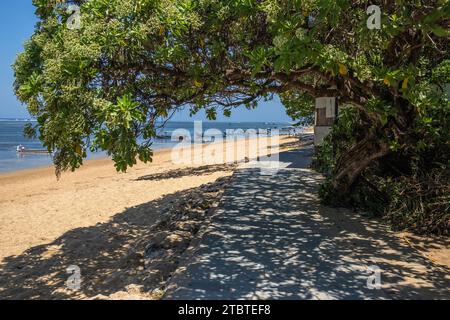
[[351, 164], [373, 147]]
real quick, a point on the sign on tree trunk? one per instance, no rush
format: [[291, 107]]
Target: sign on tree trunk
[[326, 114]]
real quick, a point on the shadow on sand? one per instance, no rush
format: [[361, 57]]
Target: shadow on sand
[[186, 172], [270, 239], [99, 251]]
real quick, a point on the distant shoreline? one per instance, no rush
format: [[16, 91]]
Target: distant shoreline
[[17, 120], [47, 168], [41, 208], [287, 123], [11, 136], [89, 161]]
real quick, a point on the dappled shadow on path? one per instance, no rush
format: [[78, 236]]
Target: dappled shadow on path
[[100, 251], [271, 239], [291, 155]]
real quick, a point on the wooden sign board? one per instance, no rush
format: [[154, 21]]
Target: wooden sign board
[[326, 115]]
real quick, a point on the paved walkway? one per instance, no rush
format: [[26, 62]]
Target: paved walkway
[[271, 239]]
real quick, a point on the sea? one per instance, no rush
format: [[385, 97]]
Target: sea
[[11, 136]]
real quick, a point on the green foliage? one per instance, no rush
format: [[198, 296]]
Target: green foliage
[[410, 187], [299, 106], [344, 134], [421, 203], [134, 62]]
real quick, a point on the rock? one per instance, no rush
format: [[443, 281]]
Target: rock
[[153, 253], [188, 225], [116, 278], [162, 267], [155, 248], [99, 297], [177, 239], [165, 240], [159, 239], [132, 260]]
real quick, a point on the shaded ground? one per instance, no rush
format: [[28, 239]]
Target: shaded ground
[[190, 171], [112, 256], [271, 239]]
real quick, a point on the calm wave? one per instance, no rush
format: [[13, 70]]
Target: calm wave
[[11, 135]]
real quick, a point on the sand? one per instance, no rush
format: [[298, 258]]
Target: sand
[[36, 208], [95, 216]]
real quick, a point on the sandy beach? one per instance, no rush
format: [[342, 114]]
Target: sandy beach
[[104, 221], [36, 208], [98, 219]]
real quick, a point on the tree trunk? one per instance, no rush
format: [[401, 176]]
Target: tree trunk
[[373, 147], [359, 157]]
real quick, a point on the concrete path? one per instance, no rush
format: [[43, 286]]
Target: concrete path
[[271, 239]]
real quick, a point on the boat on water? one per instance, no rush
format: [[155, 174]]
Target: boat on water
[[22, 150]]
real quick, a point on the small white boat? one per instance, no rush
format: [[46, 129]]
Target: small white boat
[[22, 150]]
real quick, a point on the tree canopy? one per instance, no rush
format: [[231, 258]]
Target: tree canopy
[[104, 85]]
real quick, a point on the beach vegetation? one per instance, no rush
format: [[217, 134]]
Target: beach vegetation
[[130, 63]]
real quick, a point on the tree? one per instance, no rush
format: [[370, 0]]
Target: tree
[[132, 62]]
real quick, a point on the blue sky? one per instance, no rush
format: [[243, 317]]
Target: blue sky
[[17, 22]]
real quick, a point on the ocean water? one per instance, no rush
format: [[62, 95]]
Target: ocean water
[[11, 135]]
